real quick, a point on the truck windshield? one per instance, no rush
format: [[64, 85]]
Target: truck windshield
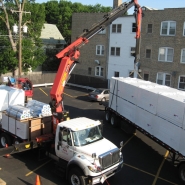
[[86, 136]]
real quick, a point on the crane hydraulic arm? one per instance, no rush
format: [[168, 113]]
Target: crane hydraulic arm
[[71, 54]]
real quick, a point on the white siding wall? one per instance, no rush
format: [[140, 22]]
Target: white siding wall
[[125, 40]]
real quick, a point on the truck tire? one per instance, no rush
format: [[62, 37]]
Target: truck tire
[[17, 141], [5, 140], [76, 177], [114, 120], [181, 172], [107, 116]]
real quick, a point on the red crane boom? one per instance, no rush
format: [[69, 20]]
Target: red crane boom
[[71, 54]]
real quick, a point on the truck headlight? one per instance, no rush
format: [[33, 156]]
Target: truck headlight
[[94, 169]]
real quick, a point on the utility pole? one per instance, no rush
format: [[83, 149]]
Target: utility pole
[[20, 41], [20, 11]]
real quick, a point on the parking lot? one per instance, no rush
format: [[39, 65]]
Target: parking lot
[[145, 162]]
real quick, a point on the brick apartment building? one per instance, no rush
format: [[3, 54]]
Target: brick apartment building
[[163, 47], [92, 67]]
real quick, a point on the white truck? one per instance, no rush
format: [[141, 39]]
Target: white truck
[[82, 153], [90, 158], [157, 111]]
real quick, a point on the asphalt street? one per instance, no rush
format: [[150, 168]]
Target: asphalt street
[[145, 162]]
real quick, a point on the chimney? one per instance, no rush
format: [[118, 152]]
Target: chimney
[[116, 3]]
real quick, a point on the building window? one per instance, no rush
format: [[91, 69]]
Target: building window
[[133, 27], [165, 54], [116, 74], [181, 84], [89, 70], [148, 53], [98, 71], [116, 28], [100, 50], [103, 31], [146, 76], [132, 51], [115, 51], [149, 28], [131, 74], [183, 56], [163, 79], [168, 28], [184, 29]]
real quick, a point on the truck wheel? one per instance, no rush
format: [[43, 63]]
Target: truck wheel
[[181, 172], [17, 141], [107, 116], [114, 120], [76, 177], [5, 140]]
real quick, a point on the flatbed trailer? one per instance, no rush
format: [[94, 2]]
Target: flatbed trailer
[[39, 135]]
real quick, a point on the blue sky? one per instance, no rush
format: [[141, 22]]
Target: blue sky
[[158, 4]]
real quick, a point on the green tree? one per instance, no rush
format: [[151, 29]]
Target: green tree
[[32, 52], [61, 14]]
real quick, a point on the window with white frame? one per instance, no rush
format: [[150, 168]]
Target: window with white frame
[[184, 29], [183, 55], [100, 50], [165, 54], [98, 71], [115, 51], [116, 28], [163, 79], [102, 31], [181, 84], [168, 28]]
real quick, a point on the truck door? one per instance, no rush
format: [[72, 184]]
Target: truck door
[[66, 148]]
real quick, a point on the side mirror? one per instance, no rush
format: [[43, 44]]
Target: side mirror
[[59, 139], [121, 144], [60, 136], [94, 155], [101, 126]]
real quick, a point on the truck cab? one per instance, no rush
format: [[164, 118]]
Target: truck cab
[[80, 143]]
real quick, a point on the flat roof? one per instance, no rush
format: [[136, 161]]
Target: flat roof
[[79, 123]]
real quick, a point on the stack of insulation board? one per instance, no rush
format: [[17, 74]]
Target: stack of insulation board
[[19, 120], [155, 108], [19, 112], [39, 109], [10, 96]]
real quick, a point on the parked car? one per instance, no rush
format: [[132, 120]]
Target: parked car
[[99, 95]]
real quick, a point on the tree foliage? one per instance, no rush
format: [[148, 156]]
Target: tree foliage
[[60, 13], [31, 44], [52, 12]]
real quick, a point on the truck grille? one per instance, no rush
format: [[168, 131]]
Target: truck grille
[[109, 158]]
